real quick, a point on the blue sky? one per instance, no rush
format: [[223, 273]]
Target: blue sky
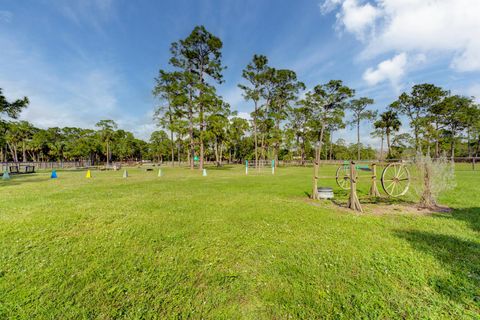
[[82, 61]]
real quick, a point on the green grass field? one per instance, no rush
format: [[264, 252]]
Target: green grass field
[[229, 246]]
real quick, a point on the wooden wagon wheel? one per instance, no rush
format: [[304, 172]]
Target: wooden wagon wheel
[[343, 177], [395, 179]]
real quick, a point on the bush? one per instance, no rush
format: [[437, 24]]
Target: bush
[[436, 177]]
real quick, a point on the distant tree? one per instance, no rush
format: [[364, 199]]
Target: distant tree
[[390, 123], [284, 90], [358, 108], [379, 132], [472, 124], [170, 89], [107, 130], [12, 109], [298, 119], [217, 126], [255, 74], [236, 131], [455, 116], [56, 143], [416, 106], [159, 144], [327, 103], [199, 56]]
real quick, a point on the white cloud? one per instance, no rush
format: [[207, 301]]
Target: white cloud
[[447, 27], [474, 91], [356, 18], [392, 70], [244, 115], [87, 12]]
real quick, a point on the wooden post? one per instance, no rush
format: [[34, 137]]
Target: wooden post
[[353, 202], [373, 188]]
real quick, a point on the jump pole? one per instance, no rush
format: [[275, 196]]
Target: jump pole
[[353, 202], [373, 188]]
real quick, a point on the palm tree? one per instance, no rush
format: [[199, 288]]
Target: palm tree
[[390, 123], [359, 113], [379, 132]]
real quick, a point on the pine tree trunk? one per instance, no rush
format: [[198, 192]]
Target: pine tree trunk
[[221, 152], [216, 152], [178, 155], [108, 153], [201, 138], [452, 146], [381, 148], [469, 147], [316, 163], [330, 157], [172, 148], [24, 152], [277, 144], [255, 134], [303, 152], [388, 143], [358, 140], [191, 154]]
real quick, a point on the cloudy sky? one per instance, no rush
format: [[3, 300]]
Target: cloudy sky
[[86, 60]]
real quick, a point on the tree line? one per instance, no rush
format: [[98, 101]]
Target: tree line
[[287, 122]]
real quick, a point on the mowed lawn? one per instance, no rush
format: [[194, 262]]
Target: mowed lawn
[[229, 246]]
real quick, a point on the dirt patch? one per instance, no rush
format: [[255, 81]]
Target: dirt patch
[[381, 208]]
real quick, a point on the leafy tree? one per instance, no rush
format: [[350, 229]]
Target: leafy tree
[[379, 132], [217, 125], [107, 131], [199, 56], [255, 74], [159, 144], [298, 120], [390, 123], [472, 123], [170, 89], [236, 134], [327, 103], [284, 90], [416, 106], [12, 109], [358, 108], [455, 116]]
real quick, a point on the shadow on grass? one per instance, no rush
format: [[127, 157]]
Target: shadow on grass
[[460, 257], [385, 200], [471, 216], [220, 168], [18, 179]]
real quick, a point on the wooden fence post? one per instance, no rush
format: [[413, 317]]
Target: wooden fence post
[[373, 188], [353, 202]]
